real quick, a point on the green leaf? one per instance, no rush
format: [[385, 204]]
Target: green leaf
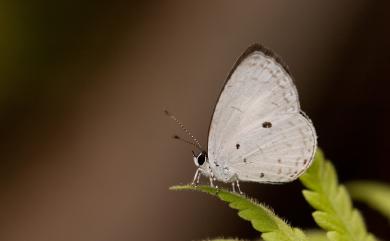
[[374, 194], [262, 218], [334, 211], [316, 235]]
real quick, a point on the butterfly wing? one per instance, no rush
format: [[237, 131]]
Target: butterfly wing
[[258, 132]]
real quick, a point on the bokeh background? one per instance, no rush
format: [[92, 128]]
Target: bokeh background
[[86, 152]]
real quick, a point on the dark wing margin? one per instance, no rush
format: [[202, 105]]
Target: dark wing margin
[[254, 47], [265, 51]]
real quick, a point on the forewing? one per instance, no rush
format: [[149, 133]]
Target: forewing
[[258, 104]]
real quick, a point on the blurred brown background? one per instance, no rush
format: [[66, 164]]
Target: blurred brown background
[[86, 152]]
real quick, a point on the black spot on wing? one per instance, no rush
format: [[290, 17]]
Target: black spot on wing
[[267, 124], [262, 175]]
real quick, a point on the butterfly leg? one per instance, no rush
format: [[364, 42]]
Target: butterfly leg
[[195, 182], [212, 178], [211, 182], [238, 187], [233, 187]]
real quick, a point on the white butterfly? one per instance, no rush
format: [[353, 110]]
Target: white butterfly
[[258, 132]]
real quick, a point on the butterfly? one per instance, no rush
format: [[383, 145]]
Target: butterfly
[[258, 132]]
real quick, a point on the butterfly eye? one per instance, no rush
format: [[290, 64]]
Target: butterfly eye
[[201, 159]]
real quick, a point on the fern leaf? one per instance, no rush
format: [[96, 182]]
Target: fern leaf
[[334, 211], [262, 218], [374, 194], [316, 235]]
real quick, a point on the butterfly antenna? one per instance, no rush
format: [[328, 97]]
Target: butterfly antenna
[[197, 144], [186, 141]]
